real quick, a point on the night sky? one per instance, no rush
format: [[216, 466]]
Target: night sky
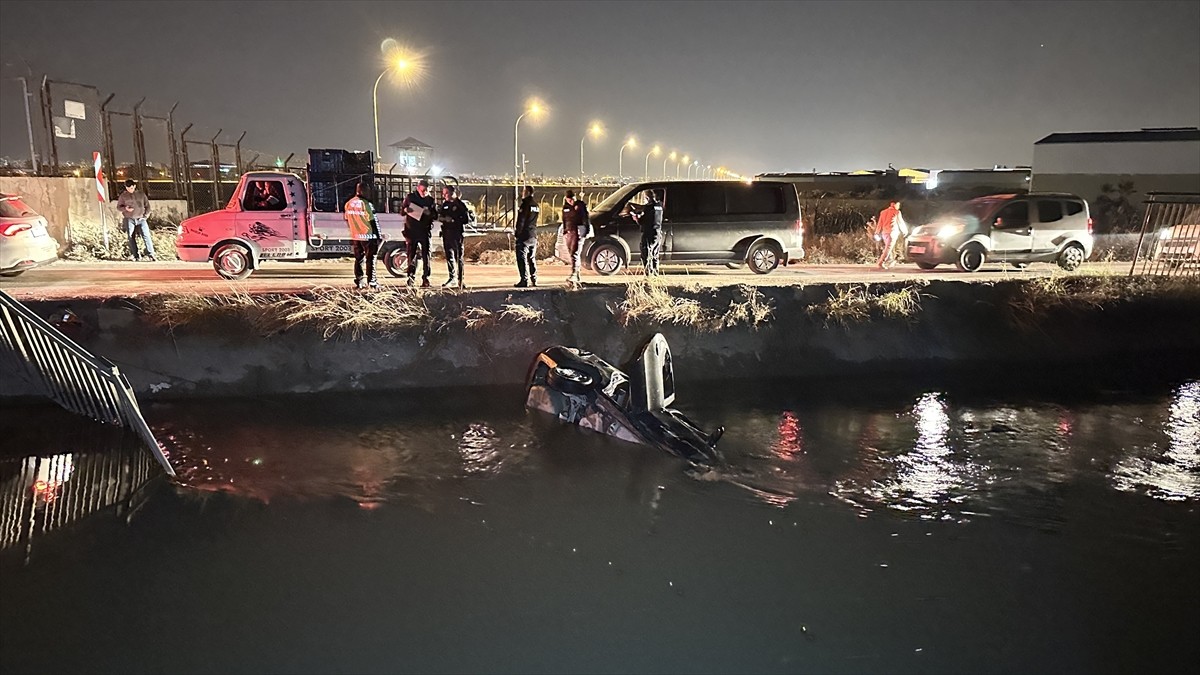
[[771, 86]]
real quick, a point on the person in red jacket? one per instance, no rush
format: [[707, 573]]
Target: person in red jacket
[[887, 230]]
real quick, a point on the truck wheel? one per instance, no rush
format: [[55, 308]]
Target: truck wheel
[[970, 258], [232, 261], [607, 258], [396, 261], [763, 257], [926, 266]]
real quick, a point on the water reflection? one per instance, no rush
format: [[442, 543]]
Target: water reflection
[[1174, 473]]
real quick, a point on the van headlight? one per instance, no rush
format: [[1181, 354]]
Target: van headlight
[[949, 231]]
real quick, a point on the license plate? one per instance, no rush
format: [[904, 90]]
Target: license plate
[[916, 249], [38, 230]]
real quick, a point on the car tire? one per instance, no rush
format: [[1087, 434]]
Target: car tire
[[1071, 257], [569, 380], [926, 266], [232, 261], [396, 261], [14, 273], [763, 256], [607, 258], [970, 258]]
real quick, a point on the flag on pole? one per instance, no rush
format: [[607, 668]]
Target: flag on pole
[[101, 193]]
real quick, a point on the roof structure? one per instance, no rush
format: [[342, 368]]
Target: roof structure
[[410, 142], [1149, 135]]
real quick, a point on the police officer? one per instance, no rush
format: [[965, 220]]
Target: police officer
[[650, 217], [575, 228], [454, 216], [525, 233], [364, 233], [419, 212]]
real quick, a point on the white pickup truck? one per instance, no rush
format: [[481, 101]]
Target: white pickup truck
[[269, 217]]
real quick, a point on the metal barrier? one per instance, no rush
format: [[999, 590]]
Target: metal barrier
[[70, 376], [1169, 244]]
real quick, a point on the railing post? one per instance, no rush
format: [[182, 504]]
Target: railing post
[[216, 170]]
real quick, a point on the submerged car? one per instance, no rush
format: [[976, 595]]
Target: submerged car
[[25, 243], [630, 403], [1010, 228]]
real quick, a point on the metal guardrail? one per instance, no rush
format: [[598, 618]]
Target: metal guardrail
[[69, 375], [1169, 244]]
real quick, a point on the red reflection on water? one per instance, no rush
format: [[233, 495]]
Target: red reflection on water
[[790, 442]]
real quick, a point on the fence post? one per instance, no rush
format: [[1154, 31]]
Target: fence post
[[216, 170], [237, 154], [174, 150], [139, 143], [110, 155], [48, 114]]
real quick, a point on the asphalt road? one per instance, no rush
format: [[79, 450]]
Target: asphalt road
[[68, 279]]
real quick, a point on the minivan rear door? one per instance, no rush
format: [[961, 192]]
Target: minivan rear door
[[1010, 232], [694, 222], [1057, 219]]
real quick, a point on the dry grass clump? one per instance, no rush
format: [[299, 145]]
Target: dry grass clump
[[336, 311], [518, 313], [856, 247], [855, 304], [87, 241], [497, 257], [178, 310], [476, 318], [1037, 299], [649, 300]]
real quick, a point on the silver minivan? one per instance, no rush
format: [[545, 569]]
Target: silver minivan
[[1014, 229], [757, 224]]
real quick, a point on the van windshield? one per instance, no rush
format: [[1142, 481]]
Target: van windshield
[[610, 202]]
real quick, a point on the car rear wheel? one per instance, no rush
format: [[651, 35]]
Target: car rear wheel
[[607, 259], [970, 258], [763, 257], [1071, 258], [569, 380], [232, 261], [926, 266], [396, 261]]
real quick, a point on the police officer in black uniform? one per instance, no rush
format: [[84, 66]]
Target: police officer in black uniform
[[454, 216], [650, 217], [575, 228], [525, 233], [418, 226]]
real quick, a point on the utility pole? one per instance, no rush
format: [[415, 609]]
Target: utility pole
[[33, 163]]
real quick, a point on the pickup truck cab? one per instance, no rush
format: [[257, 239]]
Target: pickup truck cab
[[270, 217]]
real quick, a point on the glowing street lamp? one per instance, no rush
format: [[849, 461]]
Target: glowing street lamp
[[670, 157], [595, 131], [632, 142], [682, 160], [695, 162], [534, 109], [653, 151], [407, 67]]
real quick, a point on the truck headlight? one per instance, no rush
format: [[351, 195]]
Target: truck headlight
[[949, 231]]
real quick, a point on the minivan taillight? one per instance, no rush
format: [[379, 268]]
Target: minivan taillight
[[15, 228], [1089, 224]]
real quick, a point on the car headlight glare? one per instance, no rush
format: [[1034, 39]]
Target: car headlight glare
[[1164, 233], [949, 231]]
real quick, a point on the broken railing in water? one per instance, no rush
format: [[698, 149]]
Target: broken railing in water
[[68, 374], [1169, 244]]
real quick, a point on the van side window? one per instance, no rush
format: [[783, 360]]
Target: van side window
[[1049, 212], [1073, 208], [1013, 217], [758, 198], [694, 201]]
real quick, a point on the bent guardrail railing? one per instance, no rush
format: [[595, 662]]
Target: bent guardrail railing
[[69, 375], [1169, 243]]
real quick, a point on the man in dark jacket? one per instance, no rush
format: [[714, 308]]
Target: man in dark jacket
[[419, 212], [575, 228], [650, 217], [525, 233], [454, 216]]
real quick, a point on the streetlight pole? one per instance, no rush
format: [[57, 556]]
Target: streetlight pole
[[375, 107], [594, 130], [517, 164], [653, 151], [682, 160], [668, 157], [621, 158]]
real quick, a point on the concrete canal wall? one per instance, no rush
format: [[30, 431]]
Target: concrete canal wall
[[954, 325]]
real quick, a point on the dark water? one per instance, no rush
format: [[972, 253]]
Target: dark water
[[872, 527]]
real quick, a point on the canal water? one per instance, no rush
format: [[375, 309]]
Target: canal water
[[882, 526]]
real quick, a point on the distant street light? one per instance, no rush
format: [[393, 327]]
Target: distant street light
[[708, 171], [595, 131], [695, 162], [535, 109], [682, 160], [653, 151], [670, 157], [632, 142], [407, 66]]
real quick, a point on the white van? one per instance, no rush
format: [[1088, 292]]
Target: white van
[[1014, 229]]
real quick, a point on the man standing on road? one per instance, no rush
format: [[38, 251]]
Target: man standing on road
[[887, 228], [454, 216], [134, 208], [419, 211], [575, 228], [364, 232], [525, 232], [650, 217]]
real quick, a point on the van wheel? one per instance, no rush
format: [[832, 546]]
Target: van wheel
[[607, 258], [232, 261], [926, 266], [569, 380], [1071, 258], [763, 256], [396, 261], [970, 258]]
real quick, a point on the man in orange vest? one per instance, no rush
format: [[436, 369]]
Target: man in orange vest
[[364, 234]]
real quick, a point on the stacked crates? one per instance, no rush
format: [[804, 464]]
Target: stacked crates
[[332, 175]]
